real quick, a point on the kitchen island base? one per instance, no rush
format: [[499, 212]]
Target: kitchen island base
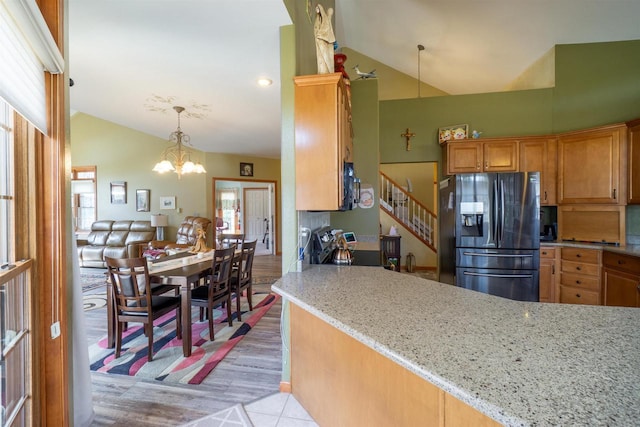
[[342, 382]]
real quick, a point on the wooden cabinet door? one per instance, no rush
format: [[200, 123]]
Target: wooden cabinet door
[[634, 162], [500, 156], [321, 141], [620, 288], [621, 279], [539, 155], [547, 275], [590, 164], [464, 157]]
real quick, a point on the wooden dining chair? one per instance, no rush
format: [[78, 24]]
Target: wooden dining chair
[[241, 280], [216, 290], [135, 301], [228, 239]]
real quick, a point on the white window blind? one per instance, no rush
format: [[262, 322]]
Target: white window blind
[[27, 49]]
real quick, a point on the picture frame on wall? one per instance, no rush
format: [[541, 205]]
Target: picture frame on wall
[[142, 200], [450, 133], [246, 169], [118, 193], [168, 202]]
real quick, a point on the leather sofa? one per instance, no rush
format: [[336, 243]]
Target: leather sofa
[[115, 239], [186, 236]]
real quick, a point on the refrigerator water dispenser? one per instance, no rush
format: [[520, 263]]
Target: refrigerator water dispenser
[[472, 218]]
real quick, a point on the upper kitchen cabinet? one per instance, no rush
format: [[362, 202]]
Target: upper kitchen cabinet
[[471, 156], [634, 162], [539, 155], [323, 141], [592, 166]]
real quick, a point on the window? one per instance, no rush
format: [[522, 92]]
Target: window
[[229, 203], [83, 199], [6, 184]]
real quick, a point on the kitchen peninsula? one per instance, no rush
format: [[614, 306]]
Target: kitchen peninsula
[[373, 347]]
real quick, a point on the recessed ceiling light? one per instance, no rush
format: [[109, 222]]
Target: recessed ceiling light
[[264, 82]]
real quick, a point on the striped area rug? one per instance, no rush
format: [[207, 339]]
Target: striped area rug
[[168, 363]]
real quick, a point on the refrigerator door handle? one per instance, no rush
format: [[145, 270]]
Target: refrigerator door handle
[[495, 214], [501, 210], [498, 255], [505, 276]]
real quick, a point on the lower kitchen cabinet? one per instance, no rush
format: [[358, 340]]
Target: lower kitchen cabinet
[[547, 275], [580, 276], [621, 280]]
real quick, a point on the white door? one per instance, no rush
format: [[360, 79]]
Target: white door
[[256, 213]]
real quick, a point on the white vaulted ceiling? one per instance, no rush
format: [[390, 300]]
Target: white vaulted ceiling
[[132, 60]]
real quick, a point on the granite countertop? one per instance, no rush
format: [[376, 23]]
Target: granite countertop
[[626, 249], [520, 363]]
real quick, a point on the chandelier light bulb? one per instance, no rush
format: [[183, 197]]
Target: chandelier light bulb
[[180, 153]]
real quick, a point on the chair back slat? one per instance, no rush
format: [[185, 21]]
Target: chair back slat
[[130, 284], [246, 267], [221, 270]]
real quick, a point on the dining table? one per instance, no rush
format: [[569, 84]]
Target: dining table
[[182, 271]]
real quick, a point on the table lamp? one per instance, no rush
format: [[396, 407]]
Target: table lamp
[[160, 222]]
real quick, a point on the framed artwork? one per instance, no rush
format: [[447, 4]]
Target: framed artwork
[[168, 202], [246, 169], [118, 193], [449, 133], [142, 200]]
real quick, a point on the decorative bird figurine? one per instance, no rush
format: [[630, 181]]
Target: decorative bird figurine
[[370, 75], [475, 134]]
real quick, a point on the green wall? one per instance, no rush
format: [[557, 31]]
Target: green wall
[[123, 154], [494, 114], [364, 112], [596, 84]]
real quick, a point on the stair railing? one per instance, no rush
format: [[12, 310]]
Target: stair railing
[[408, 211]]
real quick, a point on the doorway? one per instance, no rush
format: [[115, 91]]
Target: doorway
[[247, 206]]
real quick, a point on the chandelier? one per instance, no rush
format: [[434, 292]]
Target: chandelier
[[177, 158]]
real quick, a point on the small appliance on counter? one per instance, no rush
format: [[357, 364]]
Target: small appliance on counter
[[342, 253], [323, 242], [548, 233]]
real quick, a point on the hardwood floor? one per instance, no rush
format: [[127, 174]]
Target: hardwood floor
[[251, 371]]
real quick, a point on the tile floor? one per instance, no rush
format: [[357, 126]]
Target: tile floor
[[277, 410]]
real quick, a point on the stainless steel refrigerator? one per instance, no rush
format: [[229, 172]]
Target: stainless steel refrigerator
[[495, 225]]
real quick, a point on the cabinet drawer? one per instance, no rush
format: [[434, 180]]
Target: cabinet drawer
[[580, 281], [582, 255], [580, 268], [621, 262], [548, 253], [570, 295]]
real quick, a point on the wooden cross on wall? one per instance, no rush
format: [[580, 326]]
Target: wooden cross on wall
[[408, 135]]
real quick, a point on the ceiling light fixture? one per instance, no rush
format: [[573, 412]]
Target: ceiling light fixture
[[264, 82], [180, 154]]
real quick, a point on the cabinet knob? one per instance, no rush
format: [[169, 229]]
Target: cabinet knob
[[486, 165], [620, 262], [478, 165], [578, 268], [545, 252], [614, 194], [578, 282], [578, 256], [545, 195], [578, 295]]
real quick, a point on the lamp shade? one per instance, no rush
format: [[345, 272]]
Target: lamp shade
[[159, 220]]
